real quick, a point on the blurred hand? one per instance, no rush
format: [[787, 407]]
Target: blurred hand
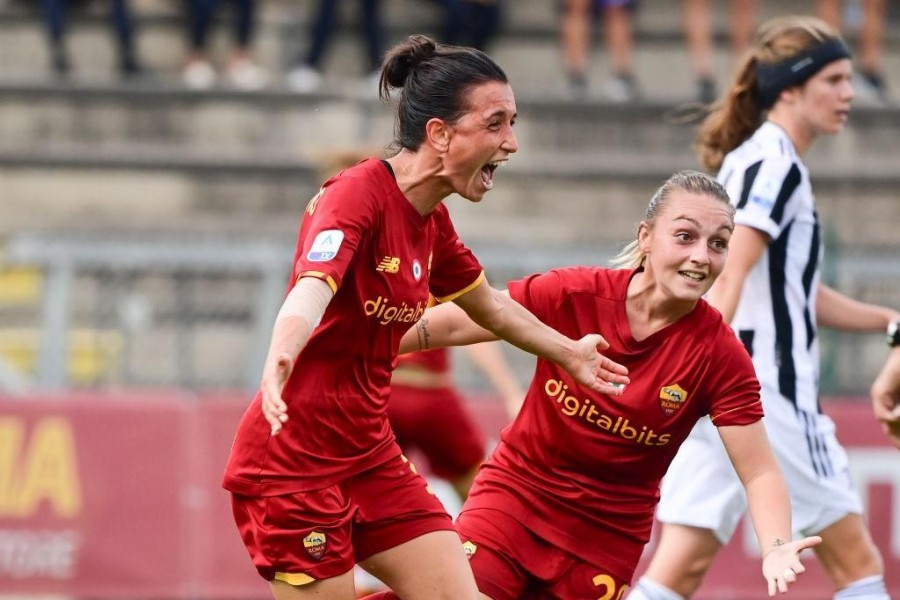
[[782, 565], [595, 371], [274, 408], [886, 397]]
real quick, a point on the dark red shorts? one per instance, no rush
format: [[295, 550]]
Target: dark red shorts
[[307, 536], [436, 423], [510, 562]]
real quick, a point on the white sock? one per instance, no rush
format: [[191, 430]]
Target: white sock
[[868, 588], [647, 589]]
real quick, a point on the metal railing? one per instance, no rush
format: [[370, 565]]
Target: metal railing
[[198, 313]]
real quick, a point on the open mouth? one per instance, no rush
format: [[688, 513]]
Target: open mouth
[[487, 173]]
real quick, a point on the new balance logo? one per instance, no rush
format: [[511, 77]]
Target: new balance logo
[[389, 264]]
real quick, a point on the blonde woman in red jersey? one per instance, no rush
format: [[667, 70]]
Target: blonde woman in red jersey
[[564, 505], [318, 482]]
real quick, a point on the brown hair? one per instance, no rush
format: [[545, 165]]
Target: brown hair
[[738, 113], [691, 182]]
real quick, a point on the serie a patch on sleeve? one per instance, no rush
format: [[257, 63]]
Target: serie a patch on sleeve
[[763, 195], [326, 245]]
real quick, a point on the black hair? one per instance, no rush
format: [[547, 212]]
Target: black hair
[[433, 80]]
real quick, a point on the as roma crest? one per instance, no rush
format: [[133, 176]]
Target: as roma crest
[[315, 544], [671, 397]]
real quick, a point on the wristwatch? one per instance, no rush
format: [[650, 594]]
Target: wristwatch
[[893, 333]]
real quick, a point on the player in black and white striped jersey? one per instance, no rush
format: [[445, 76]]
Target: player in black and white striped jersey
[[796, 83]]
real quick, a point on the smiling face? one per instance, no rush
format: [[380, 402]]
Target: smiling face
[[686, 245], [481, 140]]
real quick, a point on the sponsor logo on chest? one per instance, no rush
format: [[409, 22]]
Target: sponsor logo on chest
[[385, 312], [588, 411]]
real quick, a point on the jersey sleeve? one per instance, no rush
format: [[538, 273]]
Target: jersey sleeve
[[335, 223], [766, 199], [733, 386], [454, 270], [542, 294]]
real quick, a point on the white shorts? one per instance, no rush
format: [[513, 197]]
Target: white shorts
[[701, 488]]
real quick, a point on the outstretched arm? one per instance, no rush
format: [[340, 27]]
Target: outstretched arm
[[300, 313], [442, 326], [490, 314], [769, 503]]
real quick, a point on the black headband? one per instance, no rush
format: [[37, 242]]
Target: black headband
[[773, 78]]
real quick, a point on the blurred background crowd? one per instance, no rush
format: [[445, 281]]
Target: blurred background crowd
[[616, 25]]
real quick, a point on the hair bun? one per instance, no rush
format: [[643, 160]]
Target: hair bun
[[406, 57]]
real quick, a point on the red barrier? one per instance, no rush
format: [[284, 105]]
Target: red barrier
[[118, 497]]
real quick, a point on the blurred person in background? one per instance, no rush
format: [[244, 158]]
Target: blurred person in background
[[794, 87], [306, 76], [471, 22], [241, 71], [427, 412], [428, 415], [318, 481], [564, 505], [698, 27], [576, 21], [56, 13], [871, 17]]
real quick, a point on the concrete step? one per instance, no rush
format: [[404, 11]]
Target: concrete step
[[39, 117], [531, 203]]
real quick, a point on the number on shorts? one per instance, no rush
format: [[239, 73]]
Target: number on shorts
[[609, 583]]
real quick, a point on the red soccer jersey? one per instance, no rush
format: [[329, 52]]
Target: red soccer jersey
[[362, 236], [582, 469]]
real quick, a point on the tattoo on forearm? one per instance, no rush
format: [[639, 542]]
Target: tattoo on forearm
[[775, 545], [422, 333]]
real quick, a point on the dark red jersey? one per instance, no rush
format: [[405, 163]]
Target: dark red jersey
[[383, 259], [582, 469]]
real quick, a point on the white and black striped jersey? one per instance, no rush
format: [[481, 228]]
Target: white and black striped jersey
[[776, 315]]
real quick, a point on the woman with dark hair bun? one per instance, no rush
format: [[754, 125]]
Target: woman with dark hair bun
[[318, 481]]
